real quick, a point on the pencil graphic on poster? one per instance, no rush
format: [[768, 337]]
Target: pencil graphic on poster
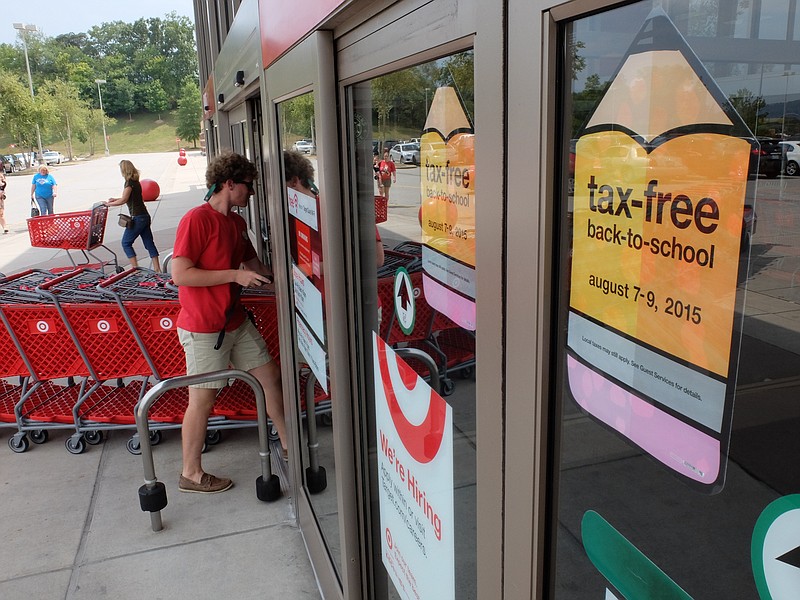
[[448, 209], [657, 230]]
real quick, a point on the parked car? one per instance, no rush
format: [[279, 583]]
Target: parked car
[[9, 163], [766, 158], [405, 153], [304, 146], [791, 159], [51, 157]]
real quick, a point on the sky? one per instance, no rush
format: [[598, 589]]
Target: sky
[[54, 17]]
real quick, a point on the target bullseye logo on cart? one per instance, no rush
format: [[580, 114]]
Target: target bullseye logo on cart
[[42, 326], [162, 323], [103, 326]]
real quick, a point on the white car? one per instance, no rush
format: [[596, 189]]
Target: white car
[[792, 158], [51, 157], [405, 153], [304, 146]]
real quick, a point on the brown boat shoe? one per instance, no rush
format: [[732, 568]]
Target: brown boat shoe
[[208, 484]]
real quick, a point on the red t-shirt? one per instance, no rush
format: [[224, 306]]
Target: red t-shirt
[[387, 169], [212, 241]]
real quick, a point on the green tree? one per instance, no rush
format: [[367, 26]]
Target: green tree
[[155, 98], [18, 111], [190, 113], [750, 108], [67, 111], [297, 115]]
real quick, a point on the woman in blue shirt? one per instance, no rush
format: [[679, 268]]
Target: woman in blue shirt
[[45, 190]]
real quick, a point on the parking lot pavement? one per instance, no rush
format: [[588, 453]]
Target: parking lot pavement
[[83, 183]]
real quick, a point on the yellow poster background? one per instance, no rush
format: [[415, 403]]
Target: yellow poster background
[[700, 297], [448, 197]]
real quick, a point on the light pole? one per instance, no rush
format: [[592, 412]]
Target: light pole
[[22, 28], [102, 113], [786, 74]]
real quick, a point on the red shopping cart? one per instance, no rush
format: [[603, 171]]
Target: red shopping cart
[[109, 352], [50, 357], [451, 348], [152, 323], [82, 231]]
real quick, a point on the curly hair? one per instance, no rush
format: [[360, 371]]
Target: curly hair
[[297, 165], [229, 165]]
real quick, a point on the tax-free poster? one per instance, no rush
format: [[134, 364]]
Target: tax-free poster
[[660, 180], [447, 182]]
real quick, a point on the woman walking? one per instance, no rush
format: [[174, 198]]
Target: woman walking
[[140, 225], [44, 189]]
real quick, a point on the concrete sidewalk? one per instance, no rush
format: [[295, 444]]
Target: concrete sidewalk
[[72, 527]]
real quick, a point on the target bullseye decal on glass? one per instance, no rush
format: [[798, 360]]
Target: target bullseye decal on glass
[[414, 429]]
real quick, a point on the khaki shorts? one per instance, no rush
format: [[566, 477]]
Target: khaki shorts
[[243, 348]]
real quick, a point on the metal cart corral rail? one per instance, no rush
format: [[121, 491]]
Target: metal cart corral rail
[[82, 231], [153, 494]]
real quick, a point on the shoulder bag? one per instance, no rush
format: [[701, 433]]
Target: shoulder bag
[[125, 221]]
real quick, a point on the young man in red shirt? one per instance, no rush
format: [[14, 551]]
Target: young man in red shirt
[[212, 259]]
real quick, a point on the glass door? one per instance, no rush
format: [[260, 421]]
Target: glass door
[[411, 146], [305, 218], [677, 412]]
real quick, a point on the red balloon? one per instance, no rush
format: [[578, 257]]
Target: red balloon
[[182, 160], [150, 190]]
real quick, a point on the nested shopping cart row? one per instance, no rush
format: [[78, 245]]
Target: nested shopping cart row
[[450, 346], [88, 348]]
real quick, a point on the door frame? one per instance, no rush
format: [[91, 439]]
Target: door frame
[[308, 67]]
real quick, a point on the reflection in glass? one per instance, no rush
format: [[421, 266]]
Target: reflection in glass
[[304, 237], [614, 490], [414, 129]]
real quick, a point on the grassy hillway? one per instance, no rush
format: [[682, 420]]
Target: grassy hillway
[[144, 133]]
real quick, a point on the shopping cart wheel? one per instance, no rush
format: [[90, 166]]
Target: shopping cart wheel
[[326, 419], [448, 386], [133, 445], [467, 372], [268, 490], [39, 436], [272, 434], [75, 444], [213, 437], [18, 443], [93, 437], [316, 481], [155, 437]]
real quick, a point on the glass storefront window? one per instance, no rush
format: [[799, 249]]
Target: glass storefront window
[[305, 238], [412, 148], [676, 407]]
